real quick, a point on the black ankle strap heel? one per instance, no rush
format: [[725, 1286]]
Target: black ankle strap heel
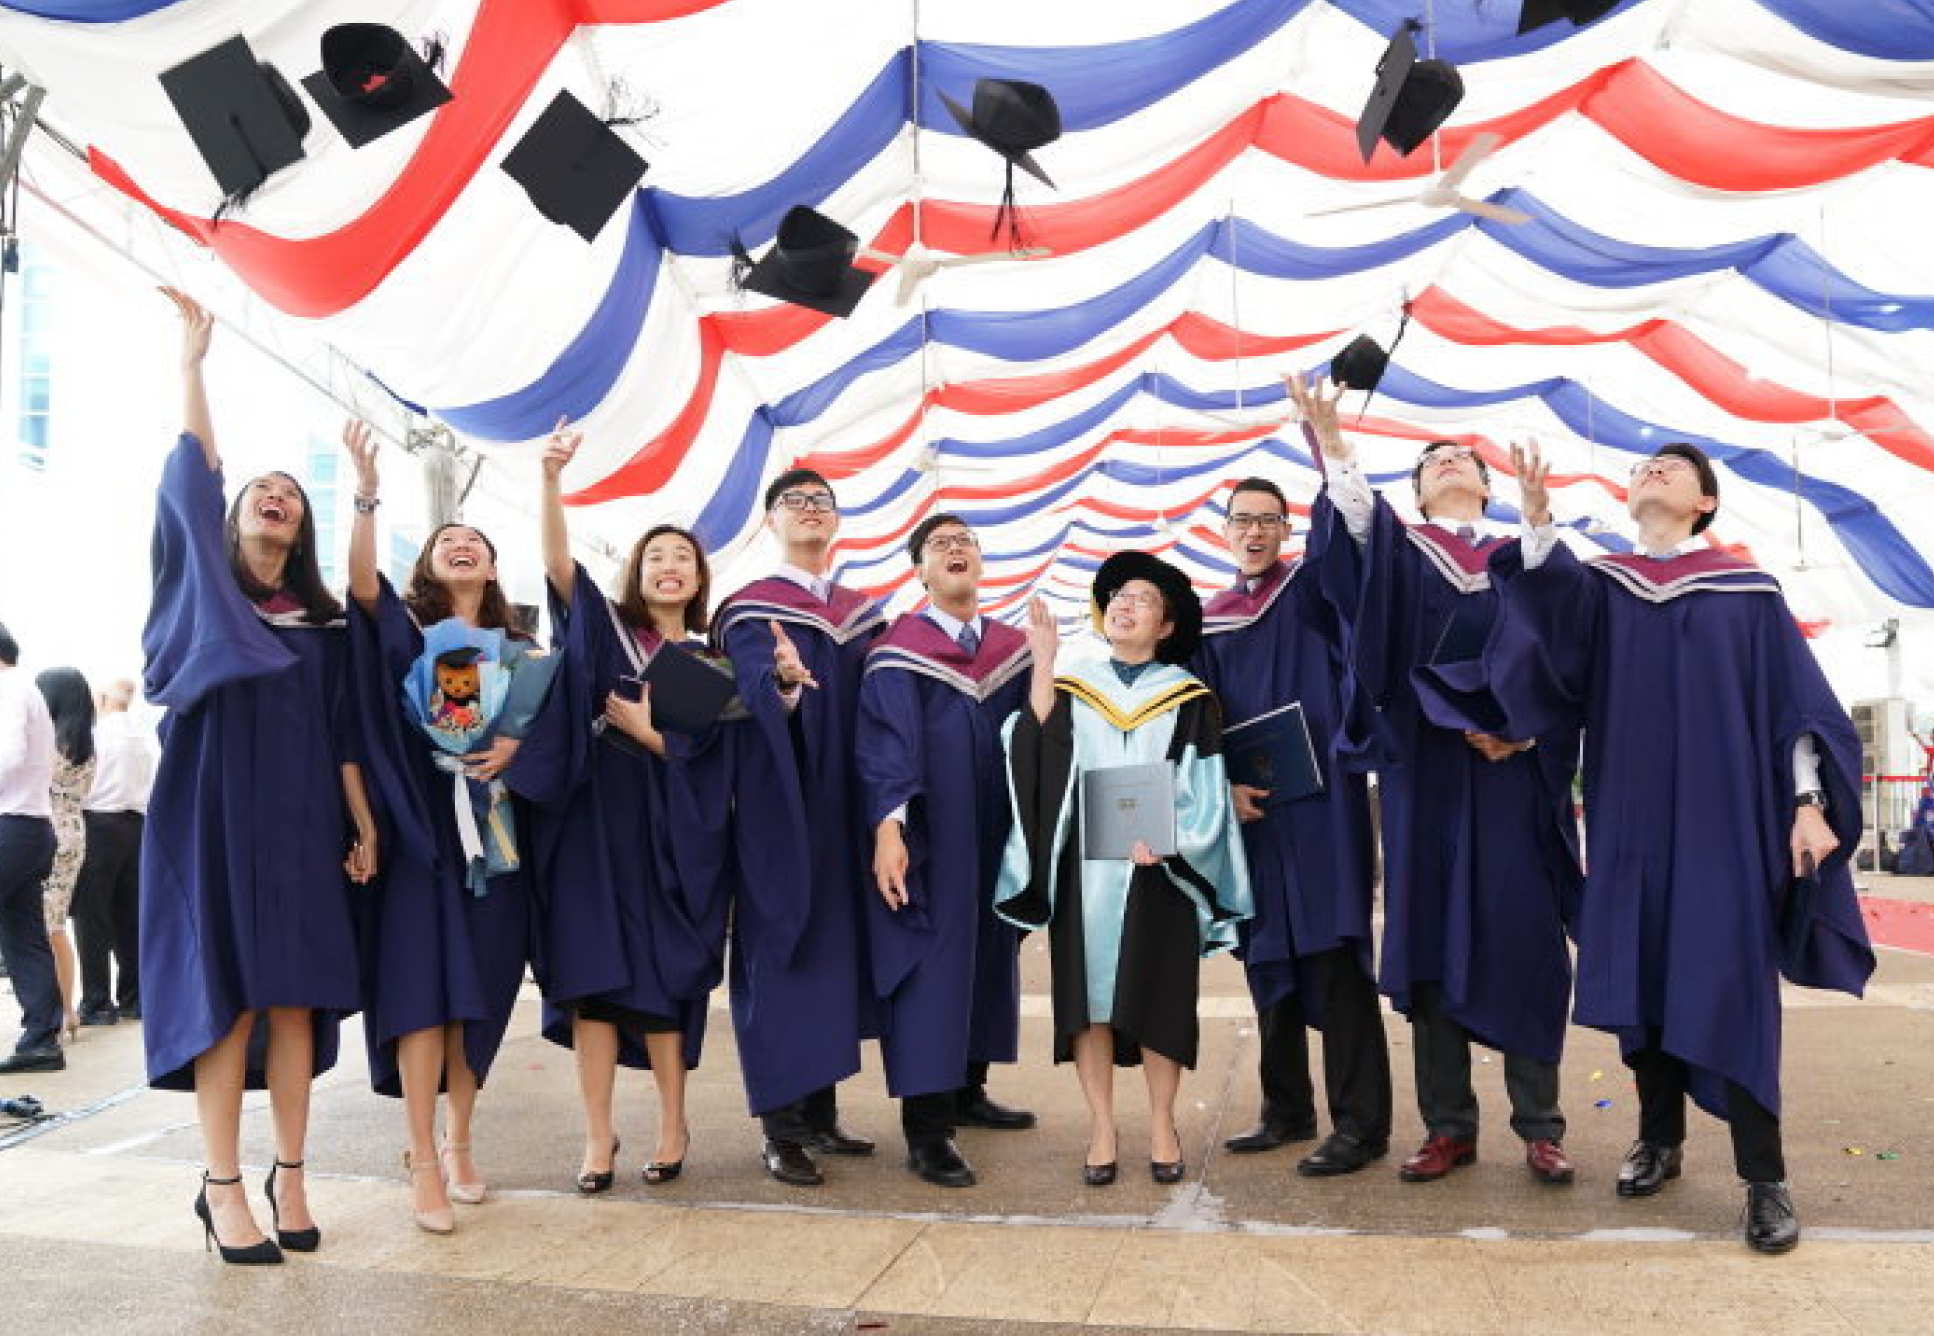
[[295, 1240], [256, 1254]]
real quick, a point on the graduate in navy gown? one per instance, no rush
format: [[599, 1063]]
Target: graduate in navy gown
[[1126, 934], [802, 998], [635, 836], [445, 687], [1719, 770], [1479, 839], [1270, 642], [248, 946], [939, 685]]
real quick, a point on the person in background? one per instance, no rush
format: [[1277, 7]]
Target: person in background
[[26, 857], [70, 703], [107, 899]]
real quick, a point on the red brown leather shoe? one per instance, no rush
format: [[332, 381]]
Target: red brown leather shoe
[[1437, 1157], [1548, 1161]]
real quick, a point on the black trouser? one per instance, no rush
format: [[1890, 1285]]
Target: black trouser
[[1356, 1058], [107, 910], [26, 857], [1445, 1099], [817, 1112], [1757, 1154], [934, 1117]]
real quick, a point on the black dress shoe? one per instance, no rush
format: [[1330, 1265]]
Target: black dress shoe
[[1341, 1153], [836, 1140], [1167, 1171], [130, 1013], [1098, 1175], [35, 1060], [1269, 1135], [1647, 1166], [1771, 1223], [99, 1016], [976, 1110], [788, 1162], [940, 1163]]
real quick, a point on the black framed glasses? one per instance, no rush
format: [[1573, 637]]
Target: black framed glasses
[[814, 501]]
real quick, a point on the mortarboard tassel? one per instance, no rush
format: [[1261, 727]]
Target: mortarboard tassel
[[742, 264]]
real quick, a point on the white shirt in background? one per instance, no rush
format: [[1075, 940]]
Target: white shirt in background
[[124, 761], [26, 747]]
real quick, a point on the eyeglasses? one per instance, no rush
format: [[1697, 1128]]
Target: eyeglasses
[[1663, 464], [1267, 523], [1129, 599], [806, 501], [1442, 453], [951, 542]]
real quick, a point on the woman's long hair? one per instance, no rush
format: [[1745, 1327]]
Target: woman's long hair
[[429, 600], [71, 702], [301, 575], [634, 611]]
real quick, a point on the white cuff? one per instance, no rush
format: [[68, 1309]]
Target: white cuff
[[789, 696], [1806, 764], [1350, 493], [898, 814], [1535, 543]]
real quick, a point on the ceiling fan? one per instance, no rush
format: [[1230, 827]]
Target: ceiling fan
[[920, 264], [1445, 192]]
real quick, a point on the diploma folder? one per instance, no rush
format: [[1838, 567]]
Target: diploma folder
[[1124, 804], [1273, 751], [687, 694]]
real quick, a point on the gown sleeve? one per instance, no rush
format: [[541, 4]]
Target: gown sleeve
[[890, 755], [1368, 589], [1209, 858], [1041, 771], [557, 736], [382, 645], [201, 632]]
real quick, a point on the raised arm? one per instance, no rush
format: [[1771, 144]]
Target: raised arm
[[559, 569], [1043, 642], [360, 444], [1348, 490], [197, 326]]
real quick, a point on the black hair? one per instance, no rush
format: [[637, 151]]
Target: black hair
[[1708, 477], [301, 573], [633, 609], [429, 601], [917, 540], [1262, 485], [1417, 469], [790, 479], [71, 702], [9, 647]]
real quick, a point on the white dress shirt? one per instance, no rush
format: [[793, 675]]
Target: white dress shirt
[[1356, 501], [26, 747], [124, 761]]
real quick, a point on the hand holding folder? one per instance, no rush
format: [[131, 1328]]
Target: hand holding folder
[[1274, 752]]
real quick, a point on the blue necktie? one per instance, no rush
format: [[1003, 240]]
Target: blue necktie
[[968, 640], [1467, 533]]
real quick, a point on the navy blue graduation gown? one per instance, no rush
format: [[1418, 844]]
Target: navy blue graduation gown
[[1312, 862], [945, 967], [244, 902], [1480, 857], [632, 848], [801, 997], [1693, 685], [434, 953]]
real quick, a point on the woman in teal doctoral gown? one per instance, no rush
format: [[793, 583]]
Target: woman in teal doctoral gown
[[1126, 935]]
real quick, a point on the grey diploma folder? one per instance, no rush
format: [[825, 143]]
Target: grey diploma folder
[[1124, 804]]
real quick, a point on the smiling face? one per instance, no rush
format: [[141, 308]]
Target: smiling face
[[805, 518], [1136, 620], [950, 564], [1255, 531], [668, 574], [459, 555], [270, 510], [1667, 488], [1447, 474]]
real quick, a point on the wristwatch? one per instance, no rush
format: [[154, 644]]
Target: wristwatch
[[366, 505], [1812, 798]]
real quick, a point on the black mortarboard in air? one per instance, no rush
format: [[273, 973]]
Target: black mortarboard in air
[[576, 169], [1411, 99], [1013, 118], [1362, 362], [241, 113], [372, 82], [810, 264], [1538, 13]]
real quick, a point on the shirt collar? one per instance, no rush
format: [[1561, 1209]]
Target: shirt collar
[[947, 622], [1692, 544], [816, 585]]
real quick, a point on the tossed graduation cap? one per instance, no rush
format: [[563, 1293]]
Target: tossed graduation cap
[[1538, 13], [242, 114], [809, 264], [1411, 99], [1013, 118], [576, 169], [372, 82], [1362, 362]]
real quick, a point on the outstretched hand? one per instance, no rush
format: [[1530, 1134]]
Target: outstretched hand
[[1043, 634], [790, 669], [1316, 402], [1529, 463], [360, 444], [560, 448], [197, 326]]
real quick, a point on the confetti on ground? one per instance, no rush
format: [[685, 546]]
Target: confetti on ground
[[1601, 1104], [1598, 1076], [1887, 1155], [1852, 1150]]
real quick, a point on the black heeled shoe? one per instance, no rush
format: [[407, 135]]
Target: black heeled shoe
[[293, 1240], [591, 1184], [664, 1171], [1167, 1171], [256, 1254], [1099, 1175]]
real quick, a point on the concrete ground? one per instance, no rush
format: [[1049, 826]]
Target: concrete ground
[[95, 1233]]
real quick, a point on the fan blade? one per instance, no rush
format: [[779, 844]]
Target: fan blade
[[1358, 208], [985, 257], [1481, 147], [880, 257], [1497, 213]]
